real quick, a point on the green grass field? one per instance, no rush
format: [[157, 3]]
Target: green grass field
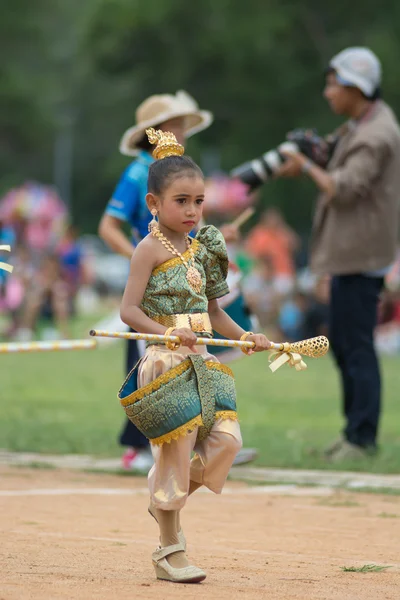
[[67, 403]]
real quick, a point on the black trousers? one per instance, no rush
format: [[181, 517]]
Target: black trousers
[[130, 435], [353, 318]]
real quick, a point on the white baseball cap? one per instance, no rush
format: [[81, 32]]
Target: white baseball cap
[[358, 67]]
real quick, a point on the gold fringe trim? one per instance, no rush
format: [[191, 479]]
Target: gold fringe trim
[[226, 414], [188, 427], [156, 384], [179, 432], [174, 262]]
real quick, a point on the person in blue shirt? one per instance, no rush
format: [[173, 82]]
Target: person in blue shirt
[[7, 238], [179, 114]]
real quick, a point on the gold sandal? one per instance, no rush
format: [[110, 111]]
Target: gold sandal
[[163, 569], [181, 535]]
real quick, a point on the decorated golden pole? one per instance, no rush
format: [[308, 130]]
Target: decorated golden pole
[[60, 346], [283, 352]]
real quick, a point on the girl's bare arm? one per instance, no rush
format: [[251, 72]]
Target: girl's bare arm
[[223, 324], [142, 263]]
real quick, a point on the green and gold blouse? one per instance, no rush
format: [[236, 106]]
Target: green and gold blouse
[[168, 291], [196, 392]]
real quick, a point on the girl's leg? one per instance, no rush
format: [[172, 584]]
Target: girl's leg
[[169, 483], [214, 456], [168, 524], [194, 486], [169, 478]]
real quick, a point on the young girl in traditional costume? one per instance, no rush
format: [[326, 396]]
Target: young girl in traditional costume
[[186, 399]]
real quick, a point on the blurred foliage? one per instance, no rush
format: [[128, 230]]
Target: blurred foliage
[[75, 71]]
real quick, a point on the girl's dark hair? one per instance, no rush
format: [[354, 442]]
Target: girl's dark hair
[[164, 171]]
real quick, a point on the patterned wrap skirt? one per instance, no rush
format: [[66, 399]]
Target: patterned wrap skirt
[[178, 391]]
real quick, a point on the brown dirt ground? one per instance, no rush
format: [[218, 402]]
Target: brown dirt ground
[[252, 545]]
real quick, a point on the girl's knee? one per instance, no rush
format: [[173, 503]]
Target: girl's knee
[[232, 444]]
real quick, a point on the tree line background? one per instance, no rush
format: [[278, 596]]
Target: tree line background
[[73, 72]]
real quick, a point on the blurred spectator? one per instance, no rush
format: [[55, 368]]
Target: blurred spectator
[[17, 286], [7, 237], [36, 213], [48, 297], [259, 291], [7, 234], [316, 317], [272, 238], [73, 269], [291, 317]]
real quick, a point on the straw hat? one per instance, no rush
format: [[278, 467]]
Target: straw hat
[[158, 109]]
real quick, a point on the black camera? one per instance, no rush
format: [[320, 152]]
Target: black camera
[[256, 172]]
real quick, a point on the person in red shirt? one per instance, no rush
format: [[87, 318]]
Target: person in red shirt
[[274, 240]]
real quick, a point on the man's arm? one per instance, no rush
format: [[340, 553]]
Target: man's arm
[[354, 179], [298, 163], [110, 231], [347, 183]]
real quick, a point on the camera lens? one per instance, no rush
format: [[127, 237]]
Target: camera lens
[[256, 172]]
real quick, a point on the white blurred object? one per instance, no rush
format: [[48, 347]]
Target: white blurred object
[[50, 334], [87, 300], [387, 339], [283, 284], [110, 323], [306, 281], [23, 334], [255, 323], [137, 460], [245, 456], [110, 271], [113, 323], [233, 280], [141, 347]]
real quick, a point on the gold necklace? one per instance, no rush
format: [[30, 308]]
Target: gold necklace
[[192, 275]]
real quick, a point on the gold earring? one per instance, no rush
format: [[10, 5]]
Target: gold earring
[[153, 225]]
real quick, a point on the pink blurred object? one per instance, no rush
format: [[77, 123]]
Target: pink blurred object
[[15, 292], [36, 212], [225, 195]]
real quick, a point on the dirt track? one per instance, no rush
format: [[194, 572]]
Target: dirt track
[[73, 535]]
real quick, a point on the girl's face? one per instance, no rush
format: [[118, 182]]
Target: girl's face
[[180, 207]]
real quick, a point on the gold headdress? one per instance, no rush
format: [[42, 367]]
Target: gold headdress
[[166, 143]]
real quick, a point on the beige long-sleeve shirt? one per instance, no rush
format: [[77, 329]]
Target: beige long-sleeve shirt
[[356, 231]]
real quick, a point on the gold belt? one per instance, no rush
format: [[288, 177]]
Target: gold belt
[[198, 322]]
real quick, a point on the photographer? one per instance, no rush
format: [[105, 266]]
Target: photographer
[[354, 234]]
